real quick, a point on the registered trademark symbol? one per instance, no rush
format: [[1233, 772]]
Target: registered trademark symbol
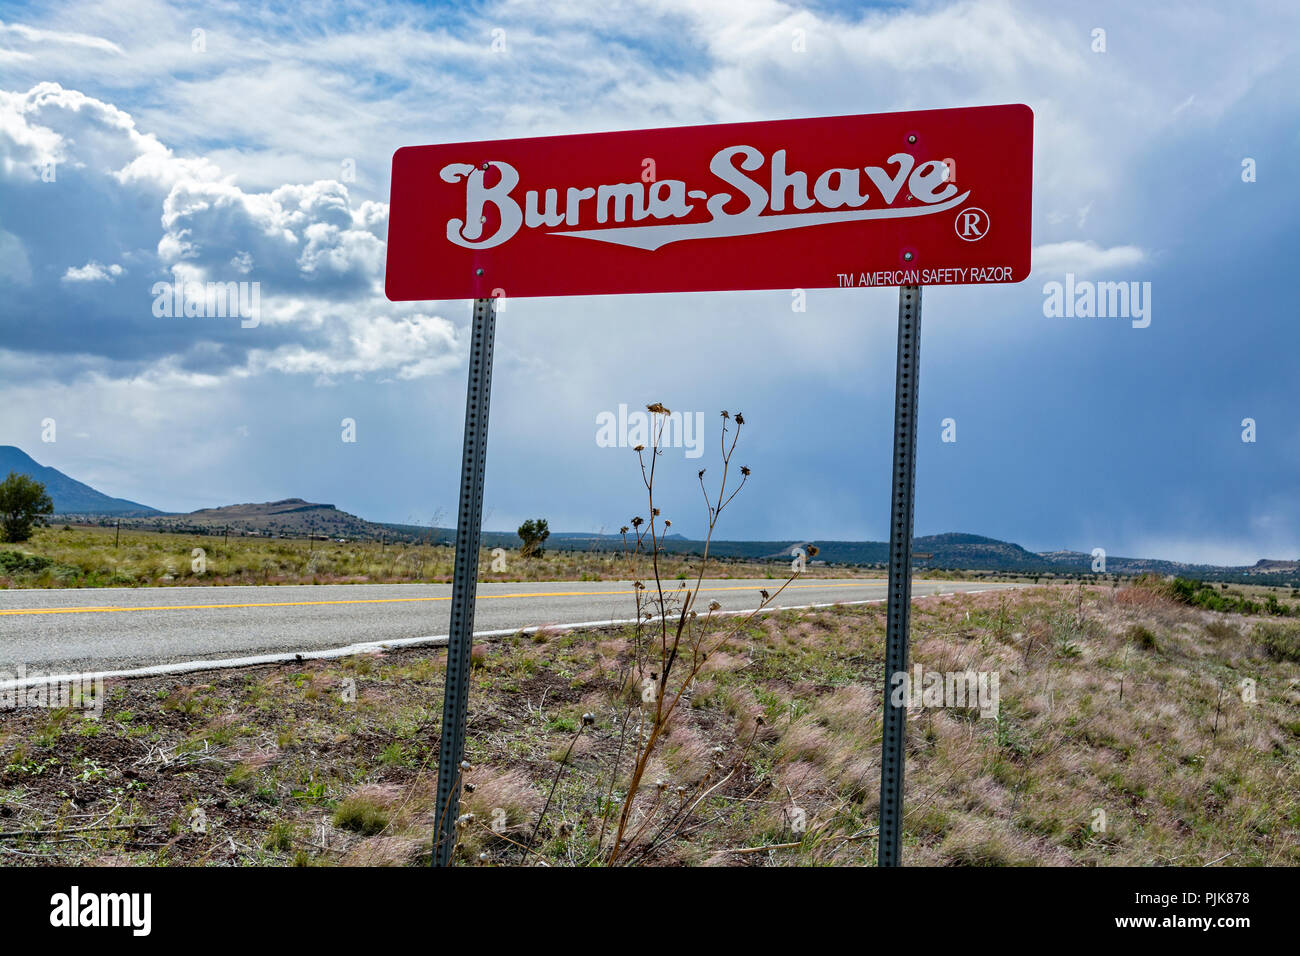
[[972, 224]]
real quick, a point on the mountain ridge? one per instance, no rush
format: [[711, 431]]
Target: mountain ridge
[[297, 517], [69, 495]]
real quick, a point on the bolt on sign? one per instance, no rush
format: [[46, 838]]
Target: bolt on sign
[[935, 197]]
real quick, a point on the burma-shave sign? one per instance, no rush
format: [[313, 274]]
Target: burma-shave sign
[[933, 197]]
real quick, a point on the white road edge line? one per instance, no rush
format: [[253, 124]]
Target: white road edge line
[[438, 640]]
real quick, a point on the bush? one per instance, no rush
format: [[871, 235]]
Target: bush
[[1143, 637], [1280, 639], [1203, 594], [362, 815], [15, 562], [1221, 631]]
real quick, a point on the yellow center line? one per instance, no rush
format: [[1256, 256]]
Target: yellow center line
[[866, 582]]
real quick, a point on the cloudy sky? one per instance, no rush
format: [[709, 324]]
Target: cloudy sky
[[141, 140]]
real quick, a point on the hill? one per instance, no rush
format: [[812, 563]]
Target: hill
[[287, 518], [70, 497], [298, 518]]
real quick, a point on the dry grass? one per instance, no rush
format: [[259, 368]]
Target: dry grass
[[1092, 723], [87, 557]]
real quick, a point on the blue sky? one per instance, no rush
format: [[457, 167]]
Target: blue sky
[[1071, 433]]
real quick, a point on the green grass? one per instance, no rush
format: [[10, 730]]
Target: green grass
[[361, 815], [95, 557]]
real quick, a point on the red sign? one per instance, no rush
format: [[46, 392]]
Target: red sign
[[936, 197]]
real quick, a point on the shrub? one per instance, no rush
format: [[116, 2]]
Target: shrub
[[1221, 631], [533, 533], [362, 815], [1143, 637], [1280, 639], [1203, 594], [15, 562]]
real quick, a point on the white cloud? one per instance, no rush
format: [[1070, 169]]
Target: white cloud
[[408, 347], [294, 237], [10, 32], [316, 253], [92, 271], [1083, 258]]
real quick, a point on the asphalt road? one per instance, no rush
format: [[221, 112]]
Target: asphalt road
[[62, 631]]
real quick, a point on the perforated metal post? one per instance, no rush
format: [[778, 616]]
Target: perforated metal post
[[464, 581], [900, 574]]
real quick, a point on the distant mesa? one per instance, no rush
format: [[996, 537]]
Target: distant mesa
[[1276, 567], [287, 517], [285, 506]]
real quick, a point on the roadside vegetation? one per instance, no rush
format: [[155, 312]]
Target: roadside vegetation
[[23, 502], [62, 556], [533, 533], [1223, 598], [1131, 727], [1118, 700]]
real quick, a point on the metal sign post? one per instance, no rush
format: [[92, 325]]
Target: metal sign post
[[893, 739], [464, 582]]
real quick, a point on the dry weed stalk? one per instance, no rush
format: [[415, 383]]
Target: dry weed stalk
[[671, 643]]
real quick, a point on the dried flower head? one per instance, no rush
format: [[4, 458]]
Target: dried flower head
[[740, 419], [744, 470], [812, 550], [658, 409], [639, 448]]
